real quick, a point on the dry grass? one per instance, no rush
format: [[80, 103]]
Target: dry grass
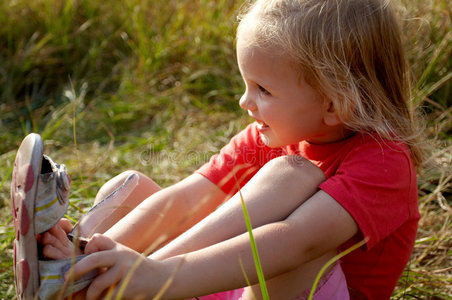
[[143, 93]]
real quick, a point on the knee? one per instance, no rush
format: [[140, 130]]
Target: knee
[[296, 165], [117, 181], [144, 187], [145, 184], [126, 174]]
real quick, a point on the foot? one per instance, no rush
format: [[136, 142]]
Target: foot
[[56, 244]]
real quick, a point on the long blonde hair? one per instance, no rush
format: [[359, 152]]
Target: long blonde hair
[[351, 52]]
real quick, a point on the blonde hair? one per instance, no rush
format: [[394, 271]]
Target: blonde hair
[[351, 52]]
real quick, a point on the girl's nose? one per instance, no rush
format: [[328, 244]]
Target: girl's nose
[[247, 103]]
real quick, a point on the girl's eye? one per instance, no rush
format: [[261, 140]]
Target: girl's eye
[[263, 91]]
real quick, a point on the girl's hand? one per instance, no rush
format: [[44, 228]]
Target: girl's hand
[[55, 243], [119, 265]]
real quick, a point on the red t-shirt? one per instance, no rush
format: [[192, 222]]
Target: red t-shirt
[[373, 179]]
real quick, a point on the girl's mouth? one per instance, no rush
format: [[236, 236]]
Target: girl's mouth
[[261, 126]]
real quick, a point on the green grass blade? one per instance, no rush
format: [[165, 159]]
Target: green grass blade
[[260, 273], [10, 171], [331, 261]]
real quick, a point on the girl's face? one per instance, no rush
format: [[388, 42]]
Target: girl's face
[[286, 109]]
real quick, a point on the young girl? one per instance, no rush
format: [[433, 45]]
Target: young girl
[[329, 161]]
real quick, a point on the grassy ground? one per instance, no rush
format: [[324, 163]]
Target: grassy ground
[[153, 86]]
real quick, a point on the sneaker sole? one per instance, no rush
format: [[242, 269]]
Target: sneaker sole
[[27, 167]]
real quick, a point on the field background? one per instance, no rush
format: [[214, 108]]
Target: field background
[[153, 86]]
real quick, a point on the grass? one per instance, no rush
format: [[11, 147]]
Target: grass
[[257, 262], [154, 86]]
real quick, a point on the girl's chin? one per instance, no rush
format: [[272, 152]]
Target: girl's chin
[[270, 141]]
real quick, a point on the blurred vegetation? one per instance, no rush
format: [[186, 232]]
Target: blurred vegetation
[[128, 60], [154, 86]]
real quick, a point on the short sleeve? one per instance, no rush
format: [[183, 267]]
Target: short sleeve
[[376, 184], [238, 161]]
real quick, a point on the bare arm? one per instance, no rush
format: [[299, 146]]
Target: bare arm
[[271, 195], [167, 213], [316, 227], [292, 227]]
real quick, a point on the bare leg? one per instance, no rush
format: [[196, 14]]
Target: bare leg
[[119, 205], [115, 207], [276, 190], [292, 284]]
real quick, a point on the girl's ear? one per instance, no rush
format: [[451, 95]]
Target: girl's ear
[[330, 117]]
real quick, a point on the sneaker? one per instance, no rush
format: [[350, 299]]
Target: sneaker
[[40, 197]]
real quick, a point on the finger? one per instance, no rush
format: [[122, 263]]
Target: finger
[[60, 234], [99, 242], [102, 259], [102, 283], [52, 252], [50, 239], [65, 224], [47, 238]]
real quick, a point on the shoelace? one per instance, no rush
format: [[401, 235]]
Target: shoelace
[[63, 182]]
